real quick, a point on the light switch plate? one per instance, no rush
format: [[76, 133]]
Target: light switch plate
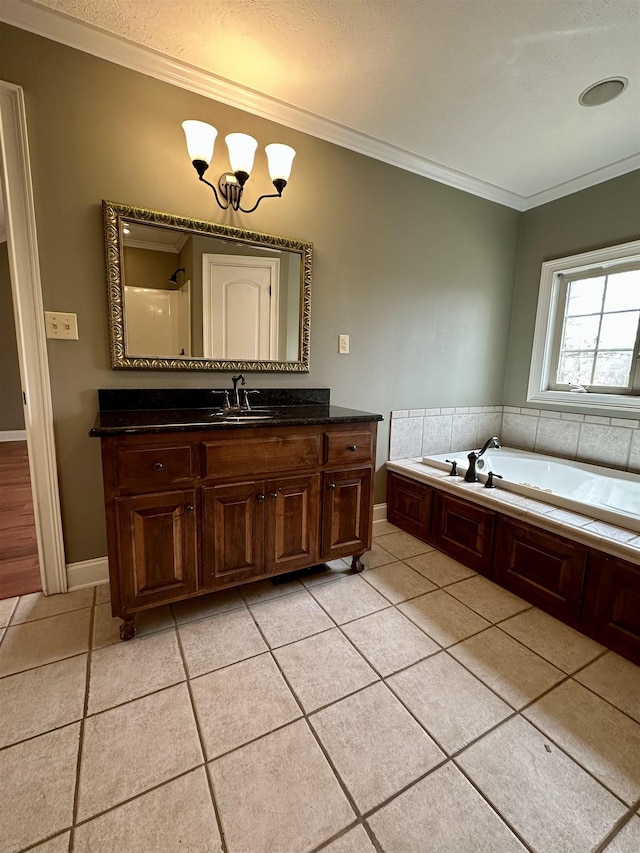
[[60, 325], [343, 344]]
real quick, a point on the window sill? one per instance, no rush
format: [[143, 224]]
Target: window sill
[[620, 403]]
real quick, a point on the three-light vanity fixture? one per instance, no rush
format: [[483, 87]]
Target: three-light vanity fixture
[[201, 138]]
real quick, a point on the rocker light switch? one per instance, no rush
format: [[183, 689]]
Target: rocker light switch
[[59, 325]]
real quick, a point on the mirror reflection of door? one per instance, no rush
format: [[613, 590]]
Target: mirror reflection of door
[[157, 321], [241, 297]]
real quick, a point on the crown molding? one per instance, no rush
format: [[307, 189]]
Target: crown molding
[[52, 25], [583, 182]]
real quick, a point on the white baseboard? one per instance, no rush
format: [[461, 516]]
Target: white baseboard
[[13, 435], [379, 512], [87, 573]]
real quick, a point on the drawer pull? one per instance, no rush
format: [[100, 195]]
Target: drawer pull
[[273, 496], [332, 486], [189, 508], [352, 447], [158, 466], [259, 497]]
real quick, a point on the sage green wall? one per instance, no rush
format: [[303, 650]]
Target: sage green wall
[[11, 412], [417, 273], [602, 215]]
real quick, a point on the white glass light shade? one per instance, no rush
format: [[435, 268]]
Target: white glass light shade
[[201, 138], [279, 157], [242, 149]]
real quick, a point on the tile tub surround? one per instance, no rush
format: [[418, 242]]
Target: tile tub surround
[[422, 735], [613, 442]]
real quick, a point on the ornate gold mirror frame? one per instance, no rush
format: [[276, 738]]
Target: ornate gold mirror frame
[[116, 216]]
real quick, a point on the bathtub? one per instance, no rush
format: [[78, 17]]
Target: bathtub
[[612, 496]]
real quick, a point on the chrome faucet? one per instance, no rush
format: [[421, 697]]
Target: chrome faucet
[[471, 475], [236, 393]]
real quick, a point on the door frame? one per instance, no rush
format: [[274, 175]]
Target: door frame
[[26, 289]]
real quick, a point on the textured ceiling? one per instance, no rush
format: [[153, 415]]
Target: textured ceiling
[[486, 88]]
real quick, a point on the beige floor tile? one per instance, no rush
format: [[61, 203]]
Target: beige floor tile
[[428, 817], [220, 641], [241, 702], [38, 785], [398, 582], [439, 568], [402, 545], [290, 618], [615, 679], [45, 641], [354, 841], [601, 738], [377, 556], [129, 749], [558, 643], [279, 794], [40, 606], [334, 570], [627, 840], [38, 700], [59, 844], [382, 528], [487, 598], [375, 745], [264, 590], [451, 704], [547, 798], [350, 599], [515, 673], [7, 606], [106, 628], [443, 618], [208, 605], [323, 668], [389, 641], [177, 816], [129, 670], [103, 593]]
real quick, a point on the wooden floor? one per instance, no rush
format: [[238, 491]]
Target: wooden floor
[[19, 567]]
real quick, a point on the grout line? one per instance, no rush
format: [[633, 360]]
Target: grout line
[[617, 828]]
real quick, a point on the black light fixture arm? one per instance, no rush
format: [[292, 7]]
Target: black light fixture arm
[[232, 192]]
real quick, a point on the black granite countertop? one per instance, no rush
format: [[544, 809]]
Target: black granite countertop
[[154, 411]]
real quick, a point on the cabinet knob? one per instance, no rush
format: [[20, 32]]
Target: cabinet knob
[[273, 496], [352, 447], [259, 497], [189, 508], [332, 486], [158, 466]]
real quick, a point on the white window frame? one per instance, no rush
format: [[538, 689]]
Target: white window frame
[[548, 314]]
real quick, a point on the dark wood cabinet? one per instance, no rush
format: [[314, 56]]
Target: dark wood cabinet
[[197, 511], [546, 569], [463, 530], [611, 610], [409, 505]]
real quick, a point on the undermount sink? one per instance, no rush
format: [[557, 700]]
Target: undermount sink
[[244, 415]]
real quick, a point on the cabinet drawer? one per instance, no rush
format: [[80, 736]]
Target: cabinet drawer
[[249, 457], [348, 447], [153, 466]]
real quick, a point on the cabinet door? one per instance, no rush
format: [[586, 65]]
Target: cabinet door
[[233, 525], [347, 517], [541, 567], [293, 523], [464, 531], [157, 547], [409, 505], [611, 611]]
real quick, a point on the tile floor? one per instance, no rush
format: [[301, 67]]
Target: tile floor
[[416, 707]]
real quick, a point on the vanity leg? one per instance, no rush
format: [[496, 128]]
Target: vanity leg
[[357, 565], [128, 628]]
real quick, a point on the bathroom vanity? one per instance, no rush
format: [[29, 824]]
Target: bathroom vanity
[[199, 498]]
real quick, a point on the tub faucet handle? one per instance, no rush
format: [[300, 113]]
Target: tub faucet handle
[[490, 484], [454, 467]]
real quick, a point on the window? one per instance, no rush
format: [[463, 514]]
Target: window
[[587, 336]]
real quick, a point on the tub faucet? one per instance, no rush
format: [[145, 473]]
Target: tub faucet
[[471, 475]]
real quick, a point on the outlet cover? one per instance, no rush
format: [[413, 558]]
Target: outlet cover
[[60, 325], [343, 344]]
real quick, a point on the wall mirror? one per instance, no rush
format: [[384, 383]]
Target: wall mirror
[[186, 294]]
